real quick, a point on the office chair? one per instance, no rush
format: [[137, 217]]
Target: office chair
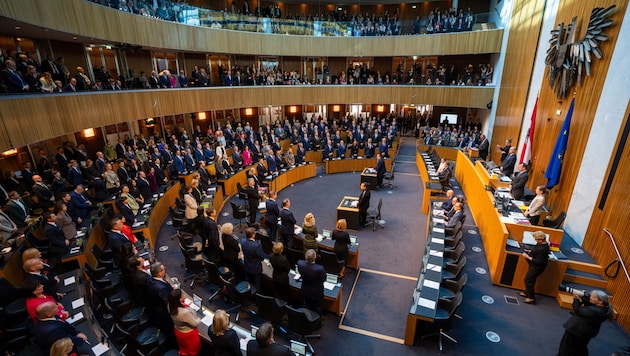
[[241, 192], [557, 222], [303, 322], [104, 258], [331, 264], [451, 287], [294, 255], [186, 239], [139, 341], [389, 176], [298, 244], [270, 308], [374, 216], [193, 263], [444, 317], [100, 275], [452, 270], [125, 313], [453, 241], [215, 272], [452, 231], [265, 242], [238, 295], [239, 213], [452, 255]]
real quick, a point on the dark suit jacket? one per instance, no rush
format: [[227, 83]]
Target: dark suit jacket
[[43, 194], [586, 320], [116, 241], [75, 177], [252, 196], [380, 169], [126, 211], [55, 237], [518, 184], [364, 200], [313, 277], [507, 166], [227, 344], [145, 190], [17, 213], [46, 332], [253, 255], [99, 188], [123, 175], [139, 280], [158, 292], [272, 211], [287, 221], [230, 248], [483, 149], [458, 216], [79, 204], [47, 281], [253, 349]]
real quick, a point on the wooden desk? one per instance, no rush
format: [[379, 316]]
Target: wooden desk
[[328, 244], [229, 183], [292, 176], [370, 178], [345, 210], [425, 296], [506, 269], [353, 165], [450, 153]]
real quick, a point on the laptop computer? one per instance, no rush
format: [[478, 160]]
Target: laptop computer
[[298, 348], [326, 233], [331, 278], [197, 300]]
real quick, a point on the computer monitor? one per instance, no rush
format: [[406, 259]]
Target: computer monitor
[[254, 330], [326, 233], [298, 348], [197, 300], [353, 239], [331, 278]]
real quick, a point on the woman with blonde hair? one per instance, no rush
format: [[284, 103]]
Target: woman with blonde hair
[[231, 249], [225, 340], [47, 83], [62, 347], [310, 233]]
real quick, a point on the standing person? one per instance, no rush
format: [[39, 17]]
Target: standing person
[[590, 310], [483, 147], [380, 170], [281, 269], [273, 213], [505, 149], [48, 329], [313, 277], [252, 199], [507, 165], [517, 187], [287, 223], [342, 240], [310, 233], [191, 204], [253, 255], [231, 249], [225, 340], [210, 235], [536, 206], [537, 259], [364, 203], [158, 291], [186, 321]]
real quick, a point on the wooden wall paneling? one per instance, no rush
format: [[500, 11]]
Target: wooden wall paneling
[[519, 58], [615, 216], [586, 103]]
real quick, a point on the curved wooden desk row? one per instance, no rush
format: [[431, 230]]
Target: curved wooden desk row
[[450, 153], [507, 268], [329, 245], [353, 165]]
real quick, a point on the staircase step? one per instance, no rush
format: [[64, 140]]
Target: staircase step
[[586, 279], [585, 267]]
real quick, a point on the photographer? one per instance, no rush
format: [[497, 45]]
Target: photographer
[[589, 312]]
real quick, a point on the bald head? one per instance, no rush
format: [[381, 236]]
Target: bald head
[[46, 310]]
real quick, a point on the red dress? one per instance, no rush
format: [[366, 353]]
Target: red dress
[[33, 302]]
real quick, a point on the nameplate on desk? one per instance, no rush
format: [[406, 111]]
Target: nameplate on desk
[[68, 281], [76, 317], [329, 286], [319, 238], [155, 195], [436, 253], [423, 302], [144, 211], [137, 224], [438, 221], [192, 305], [146, 206], [80, 234], [297, 230], [100, 349], [74, 250], [435, 268], [438, 230], [78, 303], [431, 284], [437, 241]]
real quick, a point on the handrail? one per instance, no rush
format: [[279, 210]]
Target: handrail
[[619, 259]]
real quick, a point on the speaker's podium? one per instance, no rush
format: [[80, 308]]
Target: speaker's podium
[[368, 175], [348, 209]]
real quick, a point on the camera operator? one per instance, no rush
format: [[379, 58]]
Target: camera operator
[[589, 312]]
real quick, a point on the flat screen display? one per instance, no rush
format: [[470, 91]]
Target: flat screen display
[[449, 118]]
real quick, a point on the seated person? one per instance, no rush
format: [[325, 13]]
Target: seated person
[[37, 297], [457, 216], [447, 205], [265, 345]]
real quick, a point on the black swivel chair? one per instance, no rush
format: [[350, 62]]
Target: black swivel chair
[[239, 213], [177, 217], [270, 308], [450, 287], [100, 274], [374, 216], [215, 273], [104, 258], [557, 222], [444, 317], [303, 322], [241, 192], [452, 270], [453, 241], [193, 262], [452, 255], [452, 231], [389, 176], [294, 255], [265, 242], [186, 239], [331, 264], [139, 340], [238, 294]]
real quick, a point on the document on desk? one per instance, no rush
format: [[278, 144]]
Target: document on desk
[[146, 206], [423, 302], [100, 349], [436, 253], [76, 317], [243, 343], [68, 281], [138, 223], [431, 284], [329, 286], [435, 268], [319, 238], [207, 320], [438, 230], [78, 303], [297, 230], [437, 241], [438, 221], [262, 205]]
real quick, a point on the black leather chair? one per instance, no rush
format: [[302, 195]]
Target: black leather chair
[[270, 308], [444, 317], [298, 244], [215, 273], [177, 217], [238, 294], [557, 222], [124, 312], [294, 255], [265, 242], [454, 254], [450, 287], [241, 192], [303, 322], [389, 176], [193, 263], [453, 241], [374, 216], [452, 231], [139, 340], [331, 264], [186, 239], [104, 258], [239, 213], [100, 275], [451, 271], [180, 204]]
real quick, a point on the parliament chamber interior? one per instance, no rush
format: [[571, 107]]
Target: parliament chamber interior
[[255, 177]]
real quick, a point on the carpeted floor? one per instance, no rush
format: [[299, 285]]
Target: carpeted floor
[[523, 329]]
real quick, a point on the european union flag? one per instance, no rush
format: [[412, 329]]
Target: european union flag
[[554, 169]]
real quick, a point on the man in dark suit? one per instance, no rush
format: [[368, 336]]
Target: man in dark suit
[[34, 268], [264, 344], [143, 187], [99, 189], [138, 280], [589, 312], [380, 170], [48, 329], [13, 79], [369, 149], [160, 177], [125, 210], [272, 214], [63, 161], [116, 239], [287, 223], [75, 177], [210, 236], [252, 199], [271, 163], [80, 203], [122, 173], [313, 277], [457, 216], [237, 158], [19, 212], [180, 166], [507, 166], [517, 188], [261, 170], [157, 291], [364, 203], [253, 256], [483, 147], [45, 196]]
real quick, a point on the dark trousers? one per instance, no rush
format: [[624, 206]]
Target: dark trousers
[[362, 215], [314, 304], [530, 280], [253, 209], [573, 345], [273, 230], [534, 219], [287, 240], [254, 280]]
